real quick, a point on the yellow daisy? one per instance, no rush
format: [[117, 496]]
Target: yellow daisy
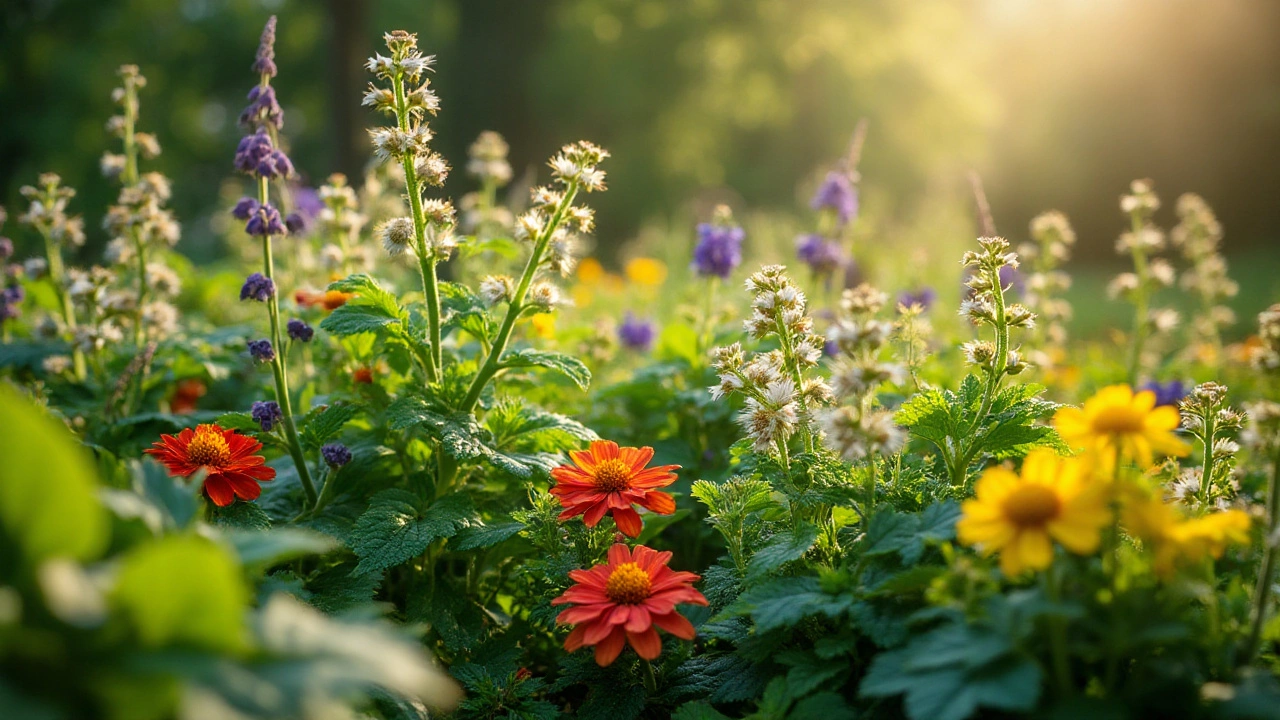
[[1173, 539], [544, 325], [646, 271], [1054, 499], [1117, 423]]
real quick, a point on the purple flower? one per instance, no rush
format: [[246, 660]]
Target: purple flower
[[251, 151], [309, 206], [299, 330], [837, 193], [336, 455], [823, 256], [258, 287], [636, 333], [14, 294], [264, 63], [262, 351], [265, 221], [1012, 279], [6, 248], [11, 302], [274, 164], [1167, 393], [830, 348], [263, 109], [297, 224], [245, 208], [266, 414], [719, 250], [924, 297]]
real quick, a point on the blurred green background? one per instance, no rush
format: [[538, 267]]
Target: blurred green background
[[1056, 103]]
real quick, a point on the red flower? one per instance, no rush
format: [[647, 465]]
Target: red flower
[[622, 600], [363, 375], [606, 479], [226, 456], [185, 395], [330, 300]]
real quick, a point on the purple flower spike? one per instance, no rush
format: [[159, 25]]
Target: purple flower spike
[[924, 297], [823, 256], [258, 287], [335, 455], [837, 193], [719, 250], [263, 109], [266, 414], [636, 333], [1167, 393], [264, 63], [265, 221], [262, 351], [245, 207], [300, 331]]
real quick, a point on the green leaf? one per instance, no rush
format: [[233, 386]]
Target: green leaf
[[890, 531], [567, 365], [183, 591], [391, 531], [786, 601], [369, 293], [240, 421], [782, 548], [353, 319], [241, 516], [264, 548], [678, 341], [698, 711], [476, 536], [48, 506], [808, 671], [324, 423]]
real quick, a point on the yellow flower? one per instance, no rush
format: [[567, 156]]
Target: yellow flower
[[1117, 423], [544, 325], [646, 271], [590, 271], [1172, 538], [1019, 517]]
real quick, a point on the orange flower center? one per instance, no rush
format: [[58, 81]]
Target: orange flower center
[[208, 447], [1031, 505], [612, 475], [627, 584], [1119, 420]]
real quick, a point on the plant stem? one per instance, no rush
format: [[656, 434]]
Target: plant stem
[[491, 363], [58, 276], [278, 368], [1206, 472], [129, 177], [1139, 301], [1002, 347], [1262, 590], [426, 260]]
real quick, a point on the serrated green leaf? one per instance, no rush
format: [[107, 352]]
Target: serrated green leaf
[[476, 535], [264, 548], [354, 319], [781, 549], [324, 423], [787, 601], [240, 421], [889, 531], [392, 531], [567, 365], [241, 516]]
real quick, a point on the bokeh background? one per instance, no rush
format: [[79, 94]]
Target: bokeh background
[[1055, 103]]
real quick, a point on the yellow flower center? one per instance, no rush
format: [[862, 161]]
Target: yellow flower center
[[1031, 505], [613, 475], [627, 584], [208, 447], [1119, 420]]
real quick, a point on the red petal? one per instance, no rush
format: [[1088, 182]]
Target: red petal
[[608, 649], [595, 514], [639, 620], [581, 614], [245, 488], [574, 641], [628, 522], [604, 450], [596, 632], [219, 490], [676, 624], [647, 644], [619, 615], [659, 502], [637, 458], [618, 554]]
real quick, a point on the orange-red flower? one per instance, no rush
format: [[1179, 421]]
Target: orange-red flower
[[330, 300], [622, 600], [185, 395], [233, 470], [363, 375], [606, 479]]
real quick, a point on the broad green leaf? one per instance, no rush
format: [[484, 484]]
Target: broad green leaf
[[392, 531], [183, 591], [567, 365], [890, 531], [264, 548], [368, 293], [353, 319], [48, 506], [476, 535], [782, 549], [324, 423], [241, 516]]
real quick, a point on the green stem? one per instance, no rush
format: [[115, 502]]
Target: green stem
[[1206, 471], [1139, 301], [1262, 590], [789, 359], [516, 304], [278, 369], [426, 261], [58, 276], [1002, 347]]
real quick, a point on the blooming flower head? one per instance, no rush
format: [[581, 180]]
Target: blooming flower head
[[329, 300], [299, 330], [636, 333], [266, 414], [264, 62], [719, 250], [1117, 423], [605, 479], [838, 194], [261, 350], [621, 601], [1167, 393], [186, 394], [258, 287], [1020, 516], [646, 271], [823, 256], [1173, 539], [227, 457], [924, 297], [335, 455]]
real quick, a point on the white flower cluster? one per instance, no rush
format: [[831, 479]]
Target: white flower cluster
[[1150, 274], [1207, 417], [47, 211], [482, 214], [986, 306], [780, 396], [340, 222], [1198, 236], [1052, 238]]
